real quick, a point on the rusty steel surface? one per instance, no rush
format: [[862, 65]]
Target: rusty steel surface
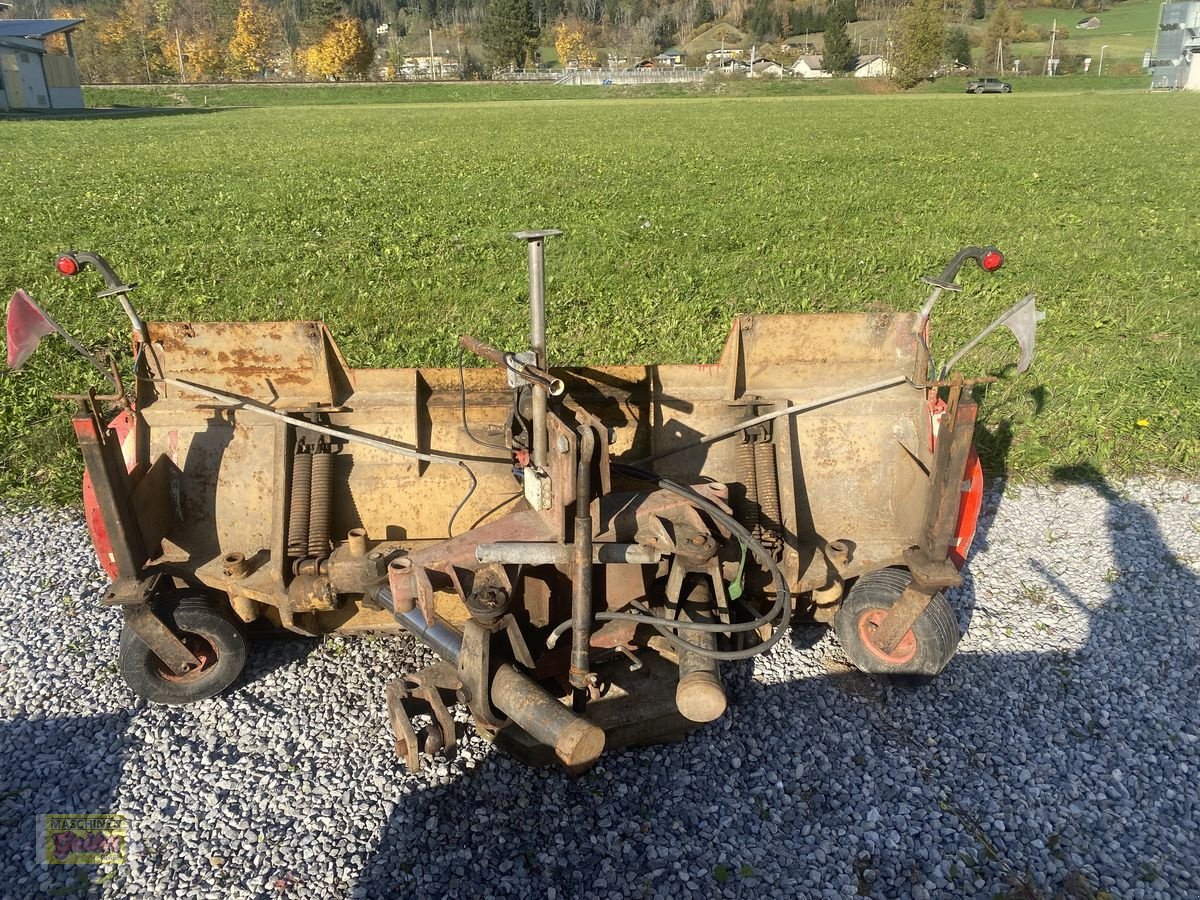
[[856, 471]]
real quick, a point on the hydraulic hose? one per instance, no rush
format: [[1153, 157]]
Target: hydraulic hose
[[780, 610]]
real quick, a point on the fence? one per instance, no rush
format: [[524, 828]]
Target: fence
[[676, 75]]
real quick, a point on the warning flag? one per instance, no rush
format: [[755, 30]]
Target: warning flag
[[28, 323]]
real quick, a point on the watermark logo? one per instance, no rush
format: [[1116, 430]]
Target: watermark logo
[[84, 839]]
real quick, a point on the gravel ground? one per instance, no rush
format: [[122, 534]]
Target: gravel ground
[[1058, 754]]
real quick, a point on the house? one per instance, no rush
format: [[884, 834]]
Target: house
[[31, 75], [1089, 23], [871, 67], [809, 66], [724, 55], [734, 67], [671, 57], [441, 65], [761, 67], [1176, 58]]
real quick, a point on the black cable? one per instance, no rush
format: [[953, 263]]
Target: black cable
[[781, 609], [462, 407], [463, 502]]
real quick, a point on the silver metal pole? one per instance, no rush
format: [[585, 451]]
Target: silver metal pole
[[537, 332]]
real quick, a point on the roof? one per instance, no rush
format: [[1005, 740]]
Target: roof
[[866, 60], [813, 62], [36, 28]]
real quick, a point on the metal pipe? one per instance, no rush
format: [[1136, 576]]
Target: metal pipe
[[539, 553], [776, 414], [537, 343], [536, 241], [577, 742], [443, 640], [581, 582]]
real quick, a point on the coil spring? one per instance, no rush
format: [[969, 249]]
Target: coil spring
[[767, 481], [320, 502], [297, 543], [746, 501]]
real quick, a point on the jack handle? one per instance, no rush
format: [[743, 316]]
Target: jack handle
[[526, 371]]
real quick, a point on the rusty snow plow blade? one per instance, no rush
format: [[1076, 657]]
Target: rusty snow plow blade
[[581, 548]]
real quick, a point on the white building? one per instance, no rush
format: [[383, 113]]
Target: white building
[[31, 77], [809, 66], [1176, 62], [871, 67]]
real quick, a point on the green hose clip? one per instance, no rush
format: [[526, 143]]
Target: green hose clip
[[736, 587]]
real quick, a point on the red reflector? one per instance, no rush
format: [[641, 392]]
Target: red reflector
[[992, 260], [66, 265]]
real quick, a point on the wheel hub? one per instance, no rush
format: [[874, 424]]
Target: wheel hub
[[201, 648], [869, 622]]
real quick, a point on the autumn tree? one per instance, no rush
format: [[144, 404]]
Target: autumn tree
[[997, 40], [839, 52], [135, 42], [255, 32], [917, 39], [345, 51], [508, 32], [572, 46], [204, 56]]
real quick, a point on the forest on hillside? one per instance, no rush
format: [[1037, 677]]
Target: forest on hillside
[[211, 40]]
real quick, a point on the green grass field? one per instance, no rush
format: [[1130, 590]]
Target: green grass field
[[1128, 29], [391, 223]]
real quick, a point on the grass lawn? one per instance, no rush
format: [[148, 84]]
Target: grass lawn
[[1128, 29], [391, 222]]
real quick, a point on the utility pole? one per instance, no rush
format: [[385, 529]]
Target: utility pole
[[431, 75], [1050, 58], [179, 51]]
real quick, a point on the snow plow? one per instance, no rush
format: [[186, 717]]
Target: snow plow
[[581, 548]]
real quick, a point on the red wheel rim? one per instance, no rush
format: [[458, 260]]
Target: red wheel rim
[[201, 648], [905, 650]]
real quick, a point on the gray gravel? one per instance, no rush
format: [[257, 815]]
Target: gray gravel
[[1058, 754]]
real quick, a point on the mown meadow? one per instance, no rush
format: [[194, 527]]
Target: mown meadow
[[391, 223]]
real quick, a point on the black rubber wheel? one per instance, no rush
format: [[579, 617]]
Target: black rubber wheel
[[208, 630], [922, 653]]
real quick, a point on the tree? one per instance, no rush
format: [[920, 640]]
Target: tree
[[958, 47], [345, 51], [762, 20], [205, 58], [573, 47], [508, 32], [254, 33], [704, 11], [978, 10], [839, 52], [997, 39], [917, 39]]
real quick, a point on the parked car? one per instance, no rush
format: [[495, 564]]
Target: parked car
[[989, 86]]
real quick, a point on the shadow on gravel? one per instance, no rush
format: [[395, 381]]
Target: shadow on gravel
[[271, 650], [50, 766], [1008, 764]]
